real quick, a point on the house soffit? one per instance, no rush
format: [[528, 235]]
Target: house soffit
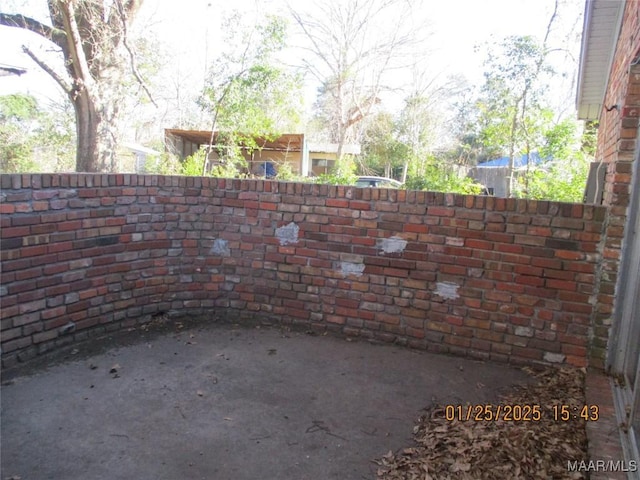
[[601, 27]]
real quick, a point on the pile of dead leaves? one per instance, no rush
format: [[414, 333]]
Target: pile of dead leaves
[[499, 449]]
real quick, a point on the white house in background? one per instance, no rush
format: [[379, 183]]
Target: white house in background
[[323, 156], [134, 157]]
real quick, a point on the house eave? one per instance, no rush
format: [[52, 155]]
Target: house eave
[[6, 70], [349, 149], [601, 28]]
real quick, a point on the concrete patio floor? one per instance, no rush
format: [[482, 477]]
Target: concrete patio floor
[[226, 402]]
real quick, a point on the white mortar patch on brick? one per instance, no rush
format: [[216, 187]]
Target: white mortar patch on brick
[[523, 331], [350, 268], [392, 245], [288, 234], [455, 241], [221, 248], [553, 357], [447, 290]]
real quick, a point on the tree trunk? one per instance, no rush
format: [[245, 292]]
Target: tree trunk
[[87, 133], [92, 36], [341, 141], [512, 152], [96, 128]]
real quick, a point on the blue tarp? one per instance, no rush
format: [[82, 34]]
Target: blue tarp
[[267, 169], [518, 161]]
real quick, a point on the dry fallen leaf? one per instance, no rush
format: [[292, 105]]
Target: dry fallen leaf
[[494, 450]]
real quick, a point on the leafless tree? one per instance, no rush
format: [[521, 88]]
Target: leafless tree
[[92, 36], [350, 47]]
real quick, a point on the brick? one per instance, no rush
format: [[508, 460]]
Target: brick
[[17, 344], [574, 351], [54, 313], [45, 336], [358, 205], [561, 285], [509, 248], [6, 208], [11, 334], [15, 232], [10, 243], [438, 326], [569, 255], [528, 353], [23, 208], [478, 244], [33, 306], [441, 211], [416, 228]]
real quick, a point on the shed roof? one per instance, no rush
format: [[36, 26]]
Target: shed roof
[[289, 141], [601, 27], [518, 162]]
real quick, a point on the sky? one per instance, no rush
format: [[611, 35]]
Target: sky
[[461, 25], [189, 29]]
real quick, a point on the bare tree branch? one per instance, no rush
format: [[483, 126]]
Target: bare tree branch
[[134, 68], [317, 49], [550, 24], [353, 45], [64, 84], [52, 34]]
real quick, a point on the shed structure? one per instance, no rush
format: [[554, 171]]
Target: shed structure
[[287, 148]]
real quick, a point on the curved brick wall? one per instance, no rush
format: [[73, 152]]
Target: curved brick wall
[[501, 279]]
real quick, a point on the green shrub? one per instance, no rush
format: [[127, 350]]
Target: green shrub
[[561, 180], [193, 165], [343, 173]]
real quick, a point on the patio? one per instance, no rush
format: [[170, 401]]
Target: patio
[[224, 401]]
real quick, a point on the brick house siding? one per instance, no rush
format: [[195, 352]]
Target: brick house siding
[[617, 147]]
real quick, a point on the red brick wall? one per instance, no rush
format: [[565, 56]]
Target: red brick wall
[[492, 278], [617, 146]]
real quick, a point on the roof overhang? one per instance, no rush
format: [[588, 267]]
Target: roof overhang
[[6, 70], [602, 22], [291, 142], [137, 148], [349, 148]]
